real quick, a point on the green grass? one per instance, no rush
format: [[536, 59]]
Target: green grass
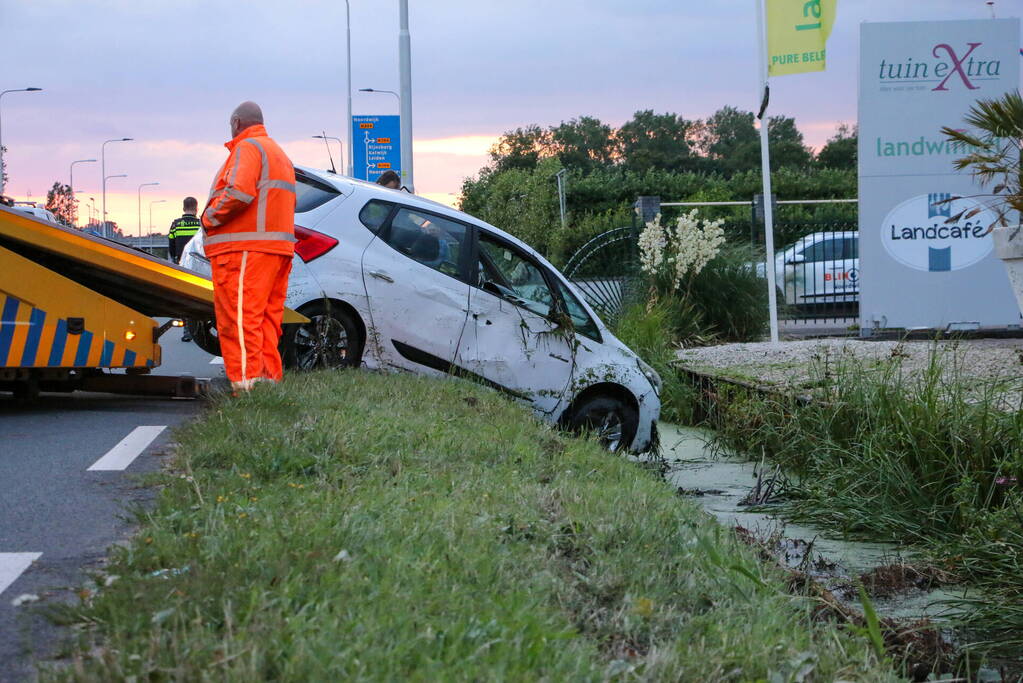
[[358, 526]]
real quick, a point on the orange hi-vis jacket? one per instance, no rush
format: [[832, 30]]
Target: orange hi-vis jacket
[[252, 201]]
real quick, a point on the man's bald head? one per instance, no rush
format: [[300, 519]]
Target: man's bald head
[[244, 115]]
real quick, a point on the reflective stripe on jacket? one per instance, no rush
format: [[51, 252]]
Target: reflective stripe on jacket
[[186, 226], [252, 202]]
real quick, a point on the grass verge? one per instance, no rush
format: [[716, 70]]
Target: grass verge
[[358, 526]]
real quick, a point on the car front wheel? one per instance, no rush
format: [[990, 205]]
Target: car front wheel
[[612, 421], [331, 339]]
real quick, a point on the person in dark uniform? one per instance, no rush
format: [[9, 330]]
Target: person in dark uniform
[[182, 229]]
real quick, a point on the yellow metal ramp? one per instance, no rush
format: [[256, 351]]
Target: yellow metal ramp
[[145, 283]]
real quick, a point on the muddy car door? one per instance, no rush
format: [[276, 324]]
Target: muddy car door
[[515, 338], [414, 272]]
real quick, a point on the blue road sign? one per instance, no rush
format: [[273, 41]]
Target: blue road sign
[[375, 146]]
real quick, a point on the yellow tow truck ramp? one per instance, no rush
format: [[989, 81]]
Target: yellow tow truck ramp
[[74, 306]]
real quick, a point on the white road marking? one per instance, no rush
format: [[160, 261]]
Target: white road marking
[[218, 360], [125, 452], [12, 565]]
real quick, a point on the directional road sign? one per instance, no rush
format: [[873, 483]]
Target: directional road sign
[[375, 146]]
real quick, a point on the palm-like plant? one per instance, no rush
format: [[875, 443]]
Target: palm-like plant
[[994, 152]]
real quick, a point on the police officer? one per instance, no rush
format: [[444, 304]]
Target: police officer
[[182, 229]]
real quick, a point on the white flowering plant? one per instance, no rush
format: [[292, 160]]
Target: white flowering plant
[[671, 255]]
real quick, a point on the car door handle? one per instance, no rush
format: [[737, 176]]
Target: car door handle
[[381, 275]]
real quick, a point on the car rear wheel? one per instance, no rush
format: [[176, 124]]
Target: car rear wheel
[[612, 421], [204, 334], [331, 339]]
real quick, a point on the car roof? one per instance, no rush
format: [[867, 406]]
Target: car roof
[[368, 190]]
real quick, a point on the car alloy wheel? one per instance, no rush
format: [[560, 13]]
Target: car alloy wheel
[[331, 339], [321, 343], [612, 421]]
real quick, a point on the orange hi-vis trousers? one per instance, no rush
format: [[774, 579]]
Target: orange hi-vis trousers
[[249, 288]]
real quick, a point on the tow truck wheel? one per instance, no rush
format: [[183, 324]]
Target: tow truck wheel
[[331, 339], [611, 420]]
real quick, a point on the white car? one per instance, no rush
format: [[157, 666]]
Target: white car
[[822, 268], [38, 212], [392, 280]]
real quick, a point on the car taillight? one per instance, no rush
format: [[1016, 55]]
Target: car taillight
[[311, 244]]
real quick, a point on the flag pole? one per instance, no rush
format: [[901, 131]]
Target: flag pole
[[765, 163]]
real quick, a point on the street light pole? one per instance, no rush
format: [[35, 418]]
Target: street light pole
[[71, 175], [103, 172], [103, 218], [2, 136], [140, 205], [405, 100], [391, 92], [560, 175], [155, 201], [348, 89]]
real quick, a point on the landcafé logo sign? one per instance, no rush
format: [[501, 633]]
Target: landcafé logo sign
[[917, 233], [949, 66]]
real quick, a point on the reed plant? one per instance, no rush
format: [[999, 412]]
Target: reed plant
[[925, 457]]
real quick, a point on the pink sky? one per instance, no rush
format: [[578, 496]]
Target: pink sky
[[168, 73]]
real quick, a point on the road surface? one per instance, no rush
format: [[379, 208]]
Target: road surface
[[66, 491]]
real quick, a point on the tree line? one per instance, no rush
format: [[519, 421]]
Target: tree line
[[725, 143], [717, 159]]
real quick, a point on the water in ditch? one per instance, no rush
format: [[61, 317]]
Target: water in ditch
[[720, 484]]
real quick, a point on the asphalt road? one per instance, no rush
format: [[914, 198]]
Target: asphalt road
[[58, 517]]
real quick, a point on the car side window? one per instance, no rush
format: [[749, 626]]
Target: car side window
[[375, 214], [852, 248], [311, 193], [510, 274], [825, 250], [581, 320], [431, 240]]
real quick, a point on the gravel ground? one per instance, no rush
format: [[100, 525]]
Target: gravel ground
[[792, 363]]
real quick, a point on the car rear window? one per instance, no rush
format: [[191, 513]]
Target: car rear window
[[311, 193]]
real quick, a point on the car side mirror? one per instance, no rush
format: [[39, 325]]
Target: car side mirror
[[794, 259]]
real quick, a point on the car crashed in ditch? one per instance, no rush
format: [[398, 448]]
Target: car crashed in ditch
[[390, 280]]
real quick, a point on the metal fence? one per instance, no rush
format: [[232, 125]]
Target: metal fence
[[817, 266]]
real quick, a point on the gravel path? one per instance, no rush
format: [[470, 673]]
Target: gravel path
[[792, 363]]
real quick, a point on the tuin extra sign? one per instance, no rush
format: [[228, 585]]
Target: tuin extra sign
[[920, 268]]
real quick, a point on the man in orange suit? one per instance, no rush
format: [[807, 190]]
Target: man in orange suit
[[250, 240]]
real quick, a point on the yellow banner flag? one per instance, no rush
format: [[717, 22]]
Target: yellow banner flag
[[797, 31]]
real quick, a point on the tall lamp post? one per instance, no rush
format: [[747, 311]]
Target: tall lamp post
[[71, 176], [103, 218], [348, 89], [140, 205], [155, 201], [39, 90], [103, 172], [339, 144], [405, 78], [389, 92]]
